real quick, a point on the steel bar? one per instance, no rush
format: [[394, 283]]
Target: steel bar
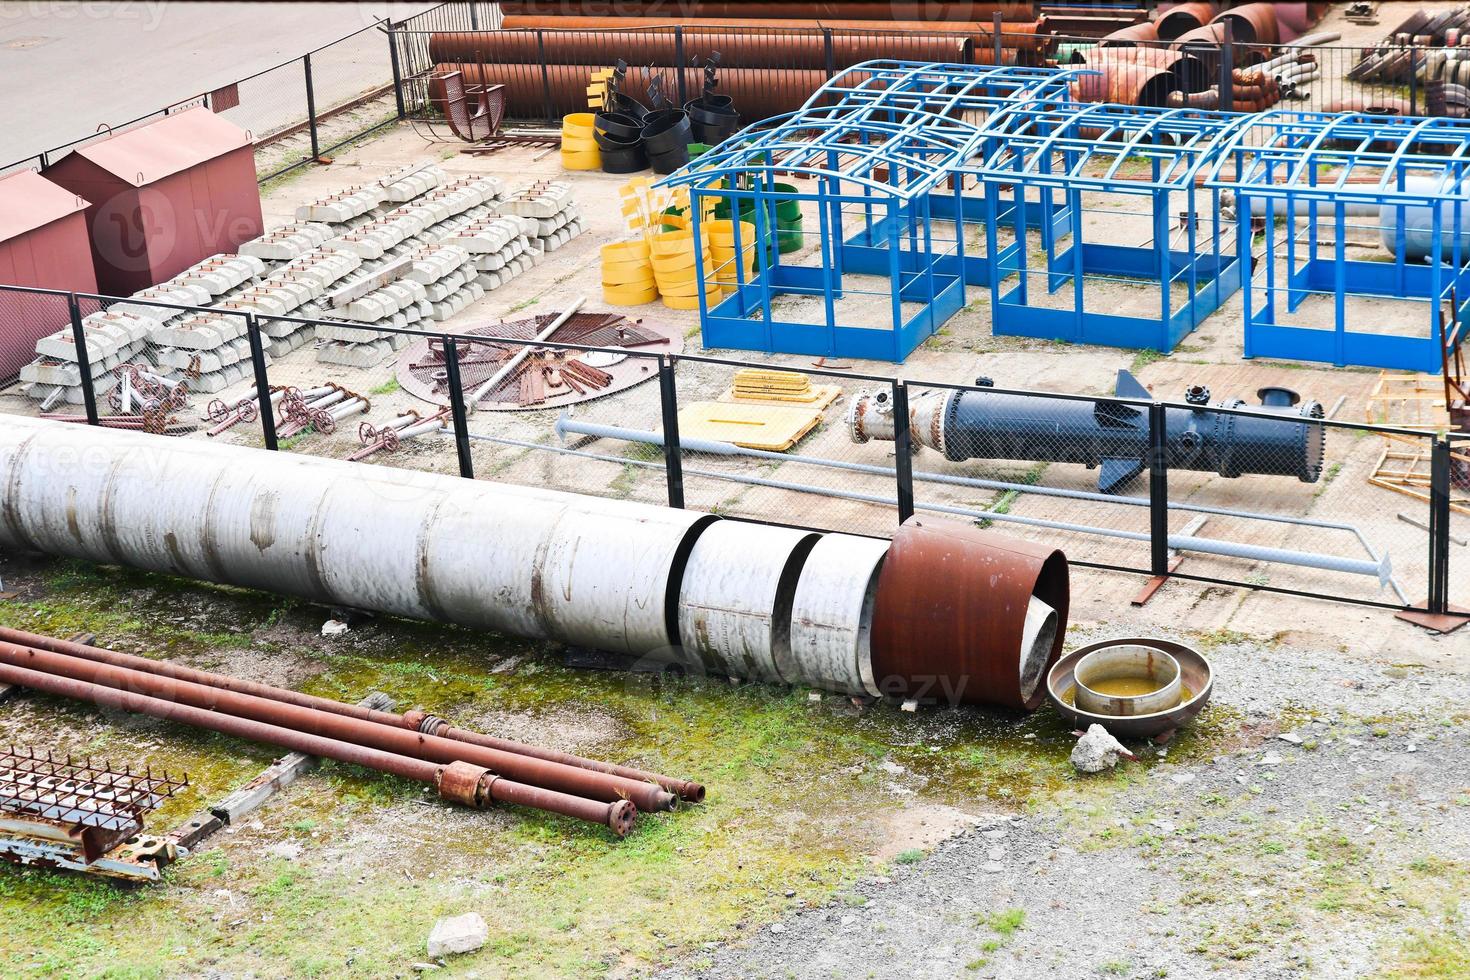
[[566, 424], [568, 779], [451, 780], [415, 719], [1379, 568]]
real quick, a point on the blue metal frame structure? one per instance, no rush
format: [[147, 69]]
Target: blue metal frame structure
[[1047, 168], [1409, 174], [878, 140]]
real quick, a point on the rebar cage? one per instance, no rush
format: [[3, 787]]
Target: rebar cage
[[1311, 186], [1047, 171], [878, 142]]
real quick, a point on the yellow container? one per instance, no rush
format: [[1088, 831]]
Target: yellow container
[[667, 243], [682, 302], [573, 145], [581, 161], [629, 295], [673, 263], [578, 125], [722, 232], [629, 272], [625, 251]]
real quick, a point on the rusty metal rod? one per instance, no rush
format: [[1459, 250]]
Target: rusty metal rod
[[457, 782], [414, 720], [537, 772]]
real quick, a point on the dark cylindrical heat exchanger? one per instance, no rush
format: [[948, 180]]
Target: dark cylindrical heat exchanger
[[1280, 437]]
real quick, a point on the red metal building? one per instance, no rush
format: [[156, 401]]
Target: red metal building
[[164, 196], [43, 242]]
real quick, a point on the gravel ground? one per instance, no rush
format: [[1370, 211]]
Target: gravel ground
[[1310, 846]]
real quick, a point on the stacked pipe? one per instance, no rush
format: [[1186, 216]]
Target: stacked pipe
[[944, 611], [467, 767], [675, 266], [1250, 91], [627, 274], [727, 274], [578, 148], [319, 409]]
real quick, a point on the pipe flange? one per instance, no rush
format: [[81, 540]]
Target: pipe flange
[[432, 725]]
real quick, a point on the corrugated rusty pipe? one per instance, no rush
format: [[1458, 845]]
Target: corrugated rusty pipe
[[432, 748], [415, 719], [458, 782]]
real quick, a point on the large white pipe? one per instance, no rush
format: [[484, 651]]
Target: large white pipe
[[587, 571]]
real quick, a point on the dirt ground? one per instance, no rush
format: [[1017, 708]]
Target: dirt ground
[[837, 840]]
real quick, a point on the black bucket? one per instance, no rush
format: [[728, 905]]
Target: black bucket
[[620, 126], [666, 130], [627, 159], [670, 160]]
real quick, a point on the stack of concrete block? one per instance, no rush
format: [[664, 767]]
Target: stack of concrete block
[[500, 247], [208, 352], [292, 290], [113, 338], [220, 274], [290, 242], [411, 182], [554, 232], [342, 207]]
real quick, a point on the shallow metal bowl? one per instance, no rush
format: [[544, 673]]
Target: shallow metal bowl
[[1195, 673], [1116, 660]]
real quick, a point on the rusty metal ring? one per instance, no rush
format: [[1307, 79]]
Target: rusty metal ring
[[366, 433], [217, 411]]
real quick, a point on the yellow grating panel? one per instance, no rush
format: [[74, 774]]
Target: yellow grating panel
[[772, 427]]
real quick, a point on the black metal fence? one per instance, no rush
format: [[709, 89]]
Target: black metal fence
[[1158, 488]]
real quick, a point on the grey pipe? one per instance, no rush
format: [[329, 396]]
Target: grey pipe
[[566, 424], [1379, 569]]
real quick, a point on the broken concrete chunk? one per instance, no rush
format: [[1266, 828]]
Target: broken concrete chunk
[[1098, 750], [458, 934]]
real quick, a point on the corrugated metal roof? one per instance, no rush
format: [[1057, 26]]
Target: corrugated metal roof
[[28, 201], [172, 144]]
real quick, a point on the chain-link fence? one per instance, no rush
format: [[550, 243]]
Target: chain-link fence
[[1272, 496]]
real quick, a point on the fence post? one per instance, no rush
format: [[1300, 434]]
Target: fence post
[[997, 25], [1227, 67], [457, 408], [829, 59], [673, 452], [311, 107], [545, 75], [84, 363], [679, 64], [1158, 490], [262, 382], [903, 455], [1413, 80], [1439, 527], [397, 70]]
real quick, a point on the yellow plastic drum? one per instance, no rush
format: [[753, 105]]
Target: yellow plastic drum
[[584, 160], [629, 294], [577, 125], [625, 251]]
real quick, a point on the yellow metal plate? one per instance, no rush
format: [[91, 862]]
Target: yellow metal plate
[[772, 427]]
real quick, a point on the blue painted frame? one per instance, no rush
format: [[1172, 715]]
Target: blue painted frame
[[1316, 165]]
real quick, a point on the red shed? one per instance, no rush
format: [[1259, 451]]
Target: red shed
[[165, 196], [43, 242]]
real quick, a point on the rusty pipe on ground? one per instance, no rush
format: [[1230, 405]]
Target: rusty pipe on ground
[[414, 719], [457, 782], [537, 772]]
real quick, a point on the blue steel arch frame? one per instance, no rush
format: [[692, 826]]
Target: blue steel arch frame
[[1045, 170], [879, 141], [1323, 171]]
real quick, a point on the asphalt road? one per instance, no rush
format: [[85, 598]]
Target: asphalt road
[[66, 68]]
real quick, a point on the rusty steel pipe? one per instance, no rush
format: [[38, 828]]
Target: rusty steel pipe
[[457, 782], [1127, 37], [415, 719], [1029, 35], [990, 653], [537, 772], [742, 49], [1251, 23], [757, 92], [1183, 18], [550, 13]]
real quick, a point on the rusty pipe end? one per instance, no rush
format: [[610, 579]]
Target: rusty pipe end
[[414, 717], [691, 792], [664, 800], [621, 816], [465, 784]]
